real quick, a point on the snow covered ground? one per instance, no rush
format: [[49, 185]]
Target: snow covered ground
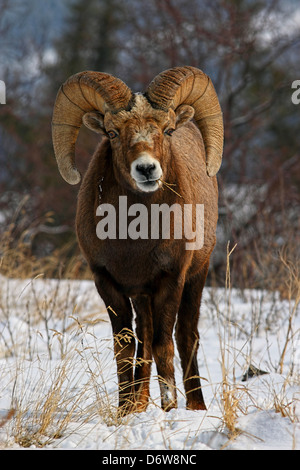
[[58, 384]]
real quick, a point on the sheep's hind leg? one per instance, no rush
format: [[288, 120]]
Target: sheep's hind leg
[[187, 339]]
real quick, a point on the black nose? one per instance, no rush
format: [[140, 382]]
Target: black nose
[[146, 169]]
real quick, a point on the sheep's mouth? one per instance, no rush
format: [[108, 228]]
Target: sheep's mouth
[[146, 172], [148, 185]]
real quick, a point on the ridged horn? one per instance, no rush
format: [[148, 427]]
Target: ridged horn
[[81, 93], [191, 86]]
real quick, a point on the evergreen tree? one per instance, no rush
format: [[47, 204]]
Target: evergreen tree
[[89, 40]]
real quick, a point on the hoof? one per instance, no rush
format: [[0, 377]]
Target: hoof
[[140, 406], [131, 407], [196, 406], [169, 406]]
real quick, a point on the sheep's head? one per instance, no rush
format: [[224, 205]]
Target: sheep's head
[[138, 126], [138, 138]]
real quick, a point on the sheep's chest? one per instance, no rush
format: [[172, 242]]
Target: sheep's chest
[[137, 266]]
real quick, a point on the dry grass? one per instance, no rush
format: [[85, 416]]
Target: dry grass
[[17, 257], [50, 394], [234, 397], [230, 393], [45, 416]]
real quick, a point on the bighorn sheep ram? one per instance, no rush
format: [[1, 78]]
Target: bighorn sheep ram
[[149, 139]]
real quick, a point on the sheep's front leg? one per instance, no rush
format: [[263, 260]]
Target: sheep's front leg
[[120, 313], [165, 306], [144, 332]]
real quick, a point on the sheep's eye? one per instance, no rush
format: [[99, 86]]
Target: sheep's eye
[[112, 134], [169, 131]]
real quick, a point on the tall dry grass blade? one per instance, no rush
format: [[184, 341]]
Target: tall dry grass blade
[[169, 186]]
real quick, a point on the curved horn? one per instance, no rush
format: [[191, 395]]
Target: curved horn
[[189, 85], [81, 93]]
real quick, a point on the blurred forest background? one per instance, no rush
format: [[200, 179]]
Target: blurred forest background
[[250, 49]]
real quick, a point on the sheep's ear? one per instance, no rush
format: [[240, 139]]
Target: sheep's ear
[[94, 121], [184, 114]]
